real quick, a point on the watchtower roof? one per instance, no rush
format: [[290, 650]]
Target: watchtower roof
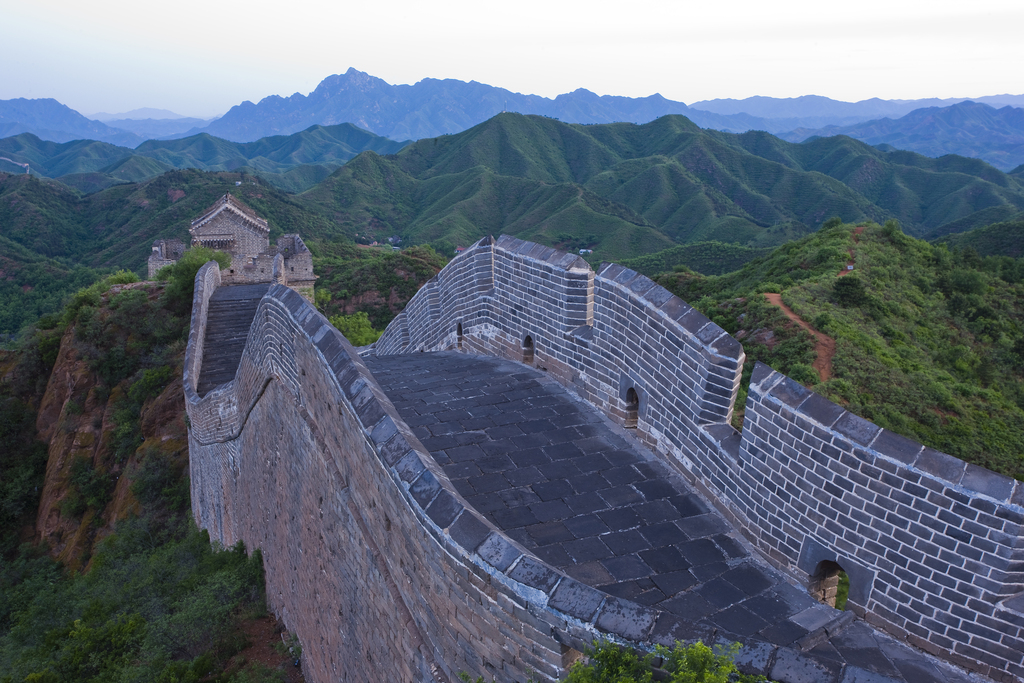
[[232, 205]]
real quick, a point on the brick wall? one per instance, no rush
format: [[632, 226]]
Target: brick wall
[[371, 556], [933, 546]]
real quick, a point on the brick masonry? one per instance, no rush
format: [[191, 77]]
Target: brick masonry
[[933, 546], [372, 557]]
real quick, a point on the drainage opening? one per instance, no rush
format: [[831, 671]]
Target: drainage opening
[[632, 408], [458, 335], [528, 350], [830, 584]]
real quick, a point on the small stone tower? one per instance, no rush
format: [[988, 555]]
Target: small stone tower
[[231, 226]]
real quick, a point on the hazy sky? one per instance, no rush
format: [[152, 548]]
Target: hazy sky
[[199, 58]]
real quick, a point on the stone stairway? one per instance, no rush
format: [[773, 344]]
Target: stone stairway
[[227, 327]]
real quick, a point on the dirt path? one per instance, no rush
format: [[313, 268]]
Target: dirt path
[[856, 238], [824, 345]]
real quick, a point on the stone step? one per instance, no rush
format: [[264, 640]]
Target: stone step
[[229, 317]]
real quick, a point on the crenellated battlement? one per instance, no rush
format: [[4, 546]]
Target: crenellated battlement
[[380, 564]]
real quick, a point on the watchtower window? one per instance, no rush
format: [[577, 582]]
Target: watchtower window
[[632, 408], [458, 335], [830, 584], [528, 350]]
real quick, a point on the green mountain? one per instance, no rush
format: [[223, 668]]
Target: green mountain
[[624, 189], [89, 166], [970, 129], [999, 239]]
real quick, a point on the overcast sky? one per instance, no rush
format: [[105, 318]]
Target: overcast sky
[[200, 57]]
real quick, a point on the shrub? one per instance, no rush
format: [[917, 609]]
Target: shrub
[[356, 328], [850, 291], [695, 663], [181, 276]]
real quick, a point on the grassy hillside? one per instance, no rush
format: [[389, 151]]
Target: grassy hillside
[[929, 341]]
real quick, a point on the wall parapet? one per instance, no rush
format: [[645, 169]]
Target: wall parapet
[[934, 546], [304, 456]]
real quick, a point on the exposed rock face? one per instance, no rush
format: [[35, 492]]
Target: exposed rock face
[[76, 419]]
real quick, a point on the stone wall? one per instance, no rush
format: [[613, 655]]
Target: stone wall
[[371, 556], [933, 546]]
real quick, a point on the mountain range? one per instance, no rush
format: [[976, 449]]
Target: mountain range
[[624, 190], [293, 162], [967, 128]]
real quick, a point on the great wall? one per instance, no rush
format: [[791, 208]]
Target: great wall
[[535, 455]]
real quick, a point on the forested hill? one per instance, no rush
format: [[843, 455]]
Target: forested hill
[[625, 189], [622, 190], [290, 162]]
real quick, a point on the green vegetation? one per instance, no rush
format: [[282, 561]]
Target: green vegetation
[[706, 200], [181, 277], [292, 162], [376, 282], [999, 239], [708, 258], [158, 602], [356, 328], [695, 663], [929, 341]]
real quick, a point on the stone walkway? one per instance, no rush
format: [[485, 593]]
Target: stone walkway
[[583, 495]]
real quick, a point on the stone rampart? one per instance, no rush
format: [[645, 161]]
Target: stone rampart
[[371, 556], [933, 546]]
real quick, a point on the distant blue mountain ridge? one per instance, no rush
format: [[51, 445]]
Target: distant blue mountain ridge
[[434, 107]]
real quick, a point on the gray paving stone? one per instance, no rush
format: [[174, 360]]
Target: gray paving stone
[[792, 666], [561, 482]]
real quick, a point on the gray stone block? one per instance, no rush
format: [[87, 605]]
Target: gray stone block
[[761, 372], [792, 666], [789, 392], [856, 428], [626, 619], [671, 629], [897, 447], [384, 430], [425, 488], [855, 674], [535, 574], [498, 552], [754, 657], [469, 531], [987, 482], [576, 599], [728, 347], [821, 410], [944, 466], [394, 450], [444, 509], [409, 466]]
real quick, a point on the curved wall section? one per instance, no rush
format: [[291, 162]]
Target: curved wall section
[[933, 546], [371, 556]]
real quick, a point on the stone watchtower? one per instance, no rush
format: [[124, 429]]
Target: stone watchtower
[[232, 227]]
